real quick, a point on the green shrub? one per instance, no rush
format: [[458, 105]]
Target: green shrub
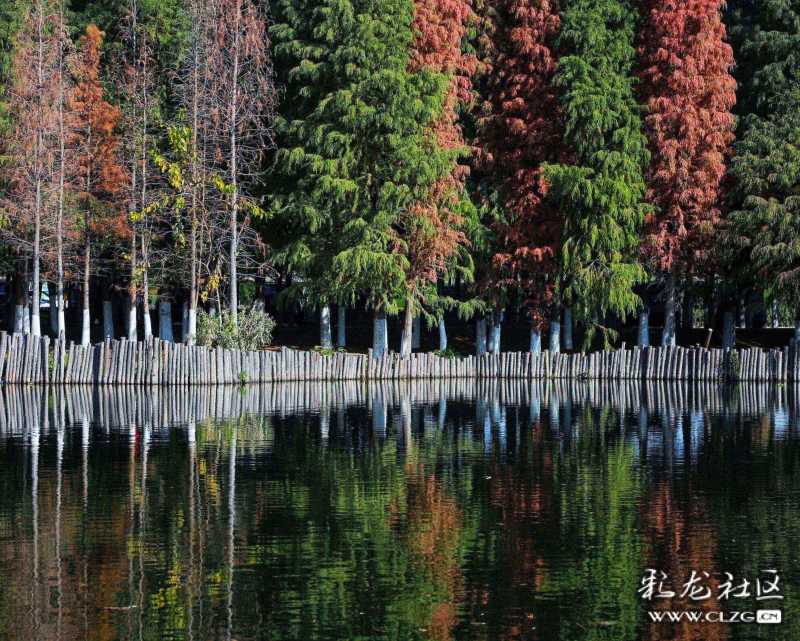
[[252, 330], [329, 351], [448, 353]]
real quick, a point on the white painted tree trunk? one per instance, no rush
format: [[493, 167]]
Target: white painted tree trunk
[[108, 319], [379, 337], [668, 335], [728, 330], [26, 320], [555, 335], [19, 319], [644, 328], [192, 331], [536, 340], [775, 316], [132, 318], [480, 336], [408, 331], [442, 335], [147, 321], [325, 338], [86, 326], [165, 321], [568, 328], [341, 326]]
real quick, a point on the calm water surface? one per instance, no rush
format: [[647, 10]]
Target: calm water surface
[[429, 511]]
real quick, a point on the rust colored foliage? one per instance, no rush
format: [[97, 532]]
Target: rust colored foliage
[[520, 131], [684, 68], [435, 234], [96, 143]]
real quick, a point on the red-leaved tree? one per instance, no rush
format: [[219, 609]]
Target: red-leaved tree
[[96, 145], [521, 131], [433, 226], [684, 68]]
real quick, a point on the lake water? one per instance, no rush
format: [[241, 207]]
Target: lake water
[[414, 511]]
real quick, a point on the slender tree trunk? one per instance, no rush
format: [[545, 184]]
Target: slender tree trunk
[[379, 345], [408, 331], [36, 325], [165, 321], [340, 327], [555, 333], [668, 335], [234, 220], [325, 336], [776, 323], [568, 328], [26, 310], [416, 334], [442, 335], [62, 160], [480, 336], [536, 340]]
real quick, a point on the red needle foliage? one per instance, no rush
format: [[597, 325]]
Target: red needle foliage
[[522, 130], [96, 141], [686, 84], [435, 236]]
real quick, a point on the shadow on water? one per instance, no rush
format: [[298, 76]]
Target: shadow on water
[[422, 510]]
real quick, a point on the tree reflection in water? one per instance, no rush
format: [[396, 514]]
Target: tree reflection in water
[[458, 510]]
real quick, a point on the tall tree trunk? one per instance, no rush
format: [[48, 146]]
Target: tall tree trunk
[[668, 335], [408, 330], [86, 320], [62, 160], [555, 333], [39, 162], [340, 326], [325, 336], [26, 310], [379, 343], [480, 336], [232, 161], [568, 328], [536, 340], [776, 322], [442, 335]]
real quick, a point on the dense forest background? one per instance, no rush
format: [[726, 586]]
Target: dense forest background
[[575, 163]]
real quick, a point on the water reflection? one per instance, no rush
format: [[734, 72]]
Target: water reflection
[[440, 510]]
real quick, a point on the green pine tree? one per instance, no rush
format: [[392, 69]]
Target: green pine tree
[[762, 244], [354, 148], [601, 195]]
